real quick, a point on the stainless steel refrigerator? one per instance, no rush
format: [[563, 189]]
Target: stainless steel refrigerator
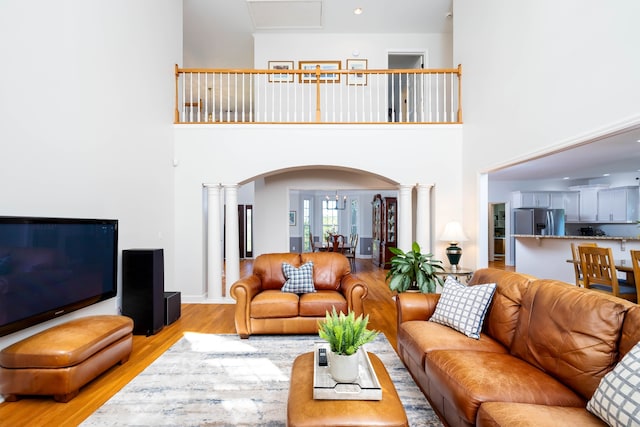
[[538, 221]]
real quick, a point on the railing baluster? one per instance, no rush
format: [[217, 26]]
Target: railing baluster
[[452, 118], [252, 105], [437, 97], [183, 101], [414, 107]]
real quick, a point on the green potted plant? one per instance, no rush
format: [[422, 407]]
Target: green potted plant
[[345, 334], [414, 271]]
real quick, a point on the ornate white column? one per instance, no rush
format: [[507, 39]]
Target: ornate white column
[[232, 240], [214, 249], [405, 223], [423, 217]]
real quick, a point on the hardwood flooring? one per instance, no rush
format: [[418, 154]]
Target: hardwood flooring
[[204, 318]]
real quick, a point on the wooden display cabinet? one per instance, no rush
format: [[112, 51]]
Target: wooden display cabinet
[[385, 229], [376, 229]]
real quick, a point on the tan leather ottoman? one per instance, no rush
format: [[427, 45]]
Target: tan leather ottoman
[[305, 411], [60, 360]]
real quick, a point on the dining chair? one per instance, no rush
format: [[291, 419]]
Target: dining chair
[[313, 244], [338, 243], [576, 262], [351, 252], [599, 272], [635, 262]]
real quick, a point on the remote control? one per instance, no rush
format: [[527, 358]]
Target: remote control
[[322, 357]]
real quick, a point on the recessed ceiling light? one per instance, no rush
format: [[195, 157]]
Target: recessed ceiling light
[[566, 177], [606, 174], [358, 11]]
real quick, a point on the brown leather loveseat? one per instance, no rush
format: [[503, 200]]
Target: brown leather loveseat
[[544, 347], [263, 308]]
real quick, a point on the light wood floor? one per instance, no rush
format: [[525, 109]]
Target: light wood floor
[[204, 318]]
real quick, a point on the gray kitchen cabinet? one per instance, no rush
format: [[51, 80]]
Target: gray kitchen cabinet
[[618, 204], [567, 200], [588, 204], [530, 199]]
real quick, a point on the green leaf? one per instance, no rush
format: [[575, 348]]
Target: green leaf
[[345, 333]]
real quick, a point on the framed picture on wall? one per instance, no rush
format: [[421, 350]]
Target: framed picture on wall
[[292, 218], [284, 77], [357, 79], [311, 77]]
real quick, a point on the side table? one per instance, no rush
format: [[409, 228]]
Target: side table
[[457, 273], [305, 411]]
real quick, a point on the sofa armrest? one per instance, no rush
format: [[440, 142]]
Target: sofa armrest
[[354, 291], [415, 306], [243, 292]]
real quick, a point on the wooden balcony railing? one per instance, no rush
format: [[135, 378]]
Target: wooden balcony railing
[[318, 96]]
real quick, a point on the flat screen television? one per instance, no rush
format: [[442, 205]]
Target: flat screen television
[[52, 266]]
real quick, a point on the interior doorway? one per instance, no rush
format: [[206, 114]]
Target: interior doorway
[[404, 89], [497, 231]]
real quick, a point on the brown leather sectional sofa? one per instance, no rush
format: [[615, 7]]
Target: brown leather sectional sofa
[[544, 347], [262, 308]]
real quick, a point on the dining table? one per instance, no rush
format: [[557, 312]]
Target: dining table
[[329, 248]]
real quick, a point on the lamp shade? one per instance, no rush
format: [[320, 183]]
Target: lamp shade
[[453, 233]]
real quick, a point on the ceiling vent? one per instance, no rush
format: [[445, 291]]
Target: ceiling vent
[[285, 14]]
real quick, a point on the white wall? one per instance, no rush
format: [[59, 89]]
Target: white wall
[[539, 76], [232, 154], [375, 48], [86, 106]]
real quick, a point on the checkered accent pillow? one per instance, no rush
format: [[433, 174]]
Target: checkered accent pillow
[[463, 307], [299, 280], [616, 401]]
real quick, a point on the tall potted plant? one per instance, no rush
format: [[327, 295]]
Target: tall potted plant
[[414, 270], [345, 334]]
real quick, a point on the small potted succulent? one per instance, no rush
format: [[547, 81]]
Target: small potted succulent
[[413, 270], [345, 334]]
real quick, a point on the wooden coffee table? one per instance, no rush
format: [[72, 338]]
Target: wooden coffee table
[[305, 411]]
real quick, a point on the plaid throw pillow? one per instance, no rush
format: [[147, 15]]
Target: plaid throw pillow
[[463, 307], [616, 401], [299, 280]]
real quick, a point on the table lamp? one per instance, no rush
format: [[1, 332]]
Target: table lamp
[[453, 234]]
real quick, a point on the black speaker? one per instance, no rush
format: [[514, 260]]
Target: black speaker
[[171, 307], [143, 289]]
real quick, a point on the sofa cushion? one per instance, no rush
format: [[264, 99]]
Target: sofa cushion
[[466, 379], [318, 303], [507, 414], [571, 333], [617, 399], [328, 269], [463, 307], [268, 267], [418, 337], [273, 303], [502, 316], [630, 330], [299, 279]]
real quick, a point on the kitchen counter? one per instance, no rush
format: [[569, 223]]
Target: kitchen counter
[[579, 237], [546, 256]]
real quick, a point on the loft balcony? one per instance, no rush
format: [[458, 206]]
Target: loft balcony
[[319, 93]]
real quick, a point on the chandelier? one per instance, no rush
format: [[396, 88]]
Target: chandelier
[[337, 205]]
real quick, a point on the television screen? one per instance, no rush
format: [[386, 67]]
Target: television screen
[[52, 266]]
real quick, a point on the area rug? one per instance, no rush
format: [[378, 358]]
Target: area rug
[[221, 380]]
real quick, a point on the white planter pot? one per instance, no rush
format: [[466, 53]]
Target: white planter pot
[[343, 369]]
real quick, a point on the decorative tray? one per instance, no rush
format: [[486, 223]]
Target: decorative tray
[[365, 387]]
